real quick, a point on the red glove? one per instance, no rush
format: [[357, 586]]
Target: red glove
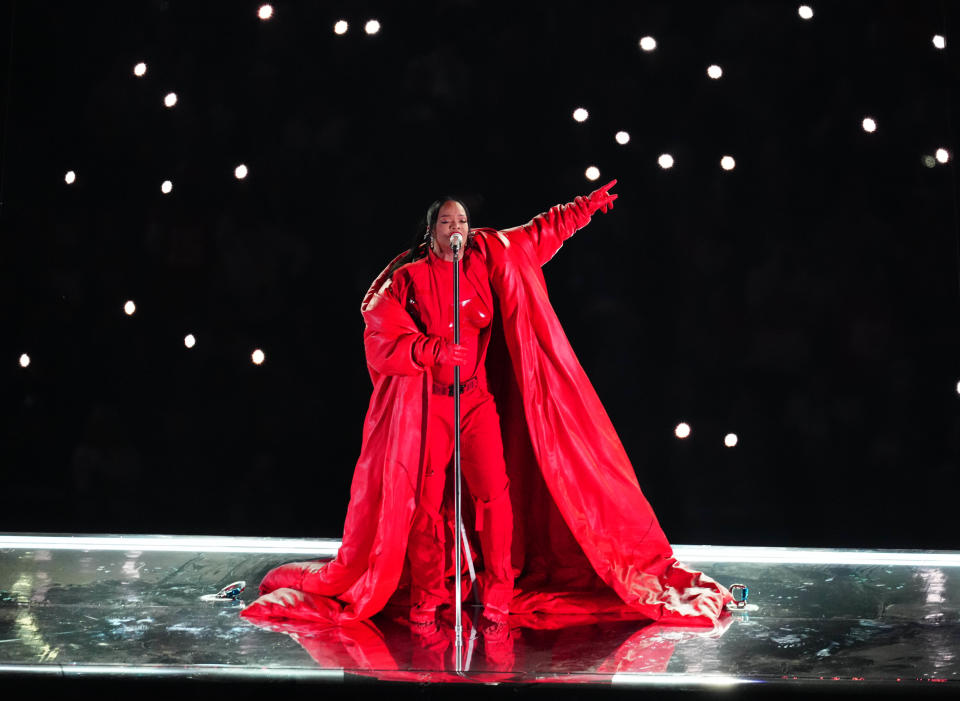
[[437, 351], [451, 354], [600, 199]]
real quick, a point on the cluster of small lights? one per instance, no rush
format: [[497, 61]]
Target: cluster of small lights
[[683, 430], [266, 12], [714, 71], [941, 156], [665, 161], [170, 99], [189, 341]]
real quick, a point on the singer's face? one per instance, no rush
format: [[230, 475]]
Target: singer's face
[[451, 219]]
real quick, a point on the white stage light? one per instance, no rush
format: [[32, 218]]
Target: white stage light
[[869, 125], [265, 12], [183, 544], [372, 27], [939, 41], [580, 114], [665, 161], [722, 553], [693, 681], [257, 356], [805, 12], [942, 155], [170, 100], [327, 548], [130, 307], [682, 430], [70, 178], [622, 137], [140, 69], [240, 172], [648, 43], [189, 340], [730, 440], [167, 187], [24, 360], [727, 163], [714, 71], [958, 388], [341, 27], [592, 173]]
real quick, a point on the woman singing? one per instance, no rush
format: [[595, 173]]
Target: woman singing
[[562, 524], [424, 288]]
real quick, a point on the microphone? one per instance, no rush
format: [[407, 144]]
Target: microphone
[[456, 242]]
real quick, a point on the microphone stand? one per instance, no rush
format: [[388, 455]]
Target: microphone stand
[[458, 515]]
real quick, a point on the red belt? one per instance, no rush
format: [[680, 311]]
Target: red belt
[[448, 390]]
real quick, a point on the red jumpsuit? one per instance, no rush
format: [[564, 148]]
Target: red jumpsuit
[[425, 289]]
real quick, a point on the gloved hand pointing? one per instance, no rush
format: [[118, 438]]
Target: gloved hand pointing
[[600, 199]]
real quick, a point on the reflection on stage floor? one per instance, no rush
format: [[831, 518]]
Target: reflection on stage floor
[[138, 605]]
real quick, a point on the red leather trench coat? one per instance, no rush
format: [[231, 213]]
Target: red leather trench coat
[[585, 538]]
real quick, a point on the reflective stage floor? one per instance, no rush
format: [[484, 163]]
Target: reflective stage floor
[[118, 607]]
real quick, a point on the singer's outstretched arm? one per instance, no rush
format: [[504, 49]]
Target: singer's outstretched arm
[[545, 233]]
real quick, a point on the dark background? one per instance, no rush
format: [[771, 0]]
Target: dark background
[[807, 300]]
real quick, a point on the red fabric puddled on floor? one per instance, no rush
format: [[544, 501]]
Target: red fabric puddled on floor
[[585, 538]]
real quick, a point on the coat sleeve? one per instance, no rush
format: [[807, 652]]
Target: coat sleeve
[[393, 343], [543, 235]]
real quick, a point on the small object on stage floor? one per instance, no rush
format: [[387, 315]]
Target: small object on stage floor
[[740, 593], [231, 592]]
